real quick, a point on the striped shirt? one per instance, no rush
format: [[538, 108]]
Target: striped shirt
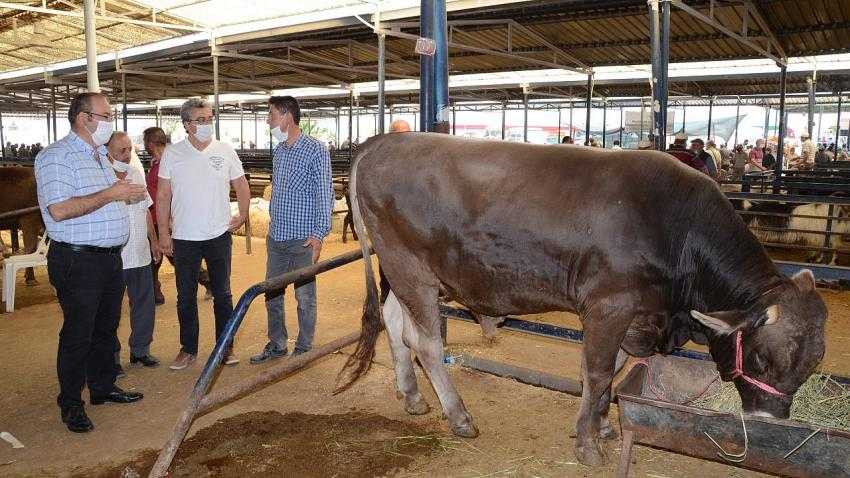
[[302, 191], [71, 168]]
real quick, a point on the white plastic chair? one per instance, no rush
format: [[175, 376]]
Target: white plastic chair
[[13, 264]]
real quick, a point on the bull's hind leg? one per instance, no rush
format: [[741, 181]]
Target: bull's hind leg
[[406, 386], [422, 334]]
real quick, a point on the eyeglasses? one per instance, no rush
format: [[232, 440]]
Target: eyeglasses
[[107, 117], [203, 120]]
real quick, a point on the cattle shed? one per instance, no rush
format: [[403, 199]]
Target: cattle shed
[[630, 74]]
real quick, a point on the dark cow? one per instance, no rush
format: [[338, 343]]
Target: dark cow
[[647, 251], [19, 192]]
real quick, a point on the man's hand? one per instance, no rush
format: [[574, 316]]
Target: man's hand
[[235, 223], [156, 252], [166, 246], [317, 247], [123, 190]]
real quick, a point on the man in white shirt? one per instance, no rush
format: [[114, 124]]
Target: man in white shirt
[[136, 253], [193, 195], [807, 153]]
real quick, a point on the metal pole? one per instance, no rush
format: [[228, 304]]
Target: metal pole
[[241, 127], [2, 137], [350, 119], [684, 113], [53, 107], [710, 111], [811, 107], [570, 132], [737, 120], [256, 130], [454, 120], [215, 97], [659, 33], [621, 126], [559, 123], [838, 123], [640, 138], [525, 117], [426, 67], [382, 54], [47, 116], [766, 121], [604, 122], [440, 113], [91, 46], [780, 147], [587, 106], [820, 121], [337, 127], [124, 99], [504, 106]]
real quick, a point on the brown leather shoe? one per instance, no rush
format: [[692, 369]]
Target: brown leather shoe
[[182, 361]]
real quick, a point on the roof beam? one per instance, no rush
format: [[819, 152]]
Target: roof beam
[[714, 23], [755, 11], [108, 18], [558, 51]]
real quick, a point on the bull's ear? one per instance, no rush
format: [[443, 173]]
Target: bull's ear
[[804, 280], [724, 322]]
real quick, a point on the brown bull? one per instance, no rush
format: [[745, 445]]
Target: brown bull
[[648, 252], [18, 192]]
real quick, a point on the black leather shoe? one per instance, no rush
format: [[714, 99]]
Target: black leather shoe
[[147, 361], [116, 396], [76, 419]]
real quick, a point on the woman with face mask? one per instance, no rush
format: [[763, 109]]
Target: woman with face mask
[[193, 197]]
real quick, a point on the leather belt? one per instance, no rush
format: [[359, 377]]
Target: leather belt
[[87, 248]]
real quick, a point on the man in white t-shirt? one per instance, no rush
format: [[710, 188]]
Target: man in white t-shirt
[[136, 254], [193, 195]]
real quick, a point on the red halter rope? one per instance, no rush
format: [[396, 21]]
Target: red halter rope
[[739, 369]]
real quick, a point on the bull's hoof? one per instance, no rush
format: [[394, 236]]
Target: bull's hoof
[[590, 455], [31, 282], [467, 429], [417, 407]]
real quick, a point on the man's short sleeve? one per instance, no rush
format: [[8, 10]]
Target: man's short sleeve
[[236, 170], [54, 178], [165, 164]]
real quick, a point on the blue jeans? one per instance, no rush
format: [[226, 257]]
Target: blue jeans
[[187, 266], [282, 257]]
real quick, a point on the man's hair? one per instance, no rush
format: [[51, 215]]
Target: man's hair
[[616, 142], [117, 135], [286, 104], [566, 139], [154, 135], [697, 141], [81, 103], [192, 104]]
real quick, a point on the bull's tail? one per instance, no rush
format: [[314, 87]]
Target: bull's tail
[[371, 323]]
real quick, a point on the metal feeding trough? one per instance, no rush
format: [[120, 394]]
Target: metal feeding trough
[[652, 410]]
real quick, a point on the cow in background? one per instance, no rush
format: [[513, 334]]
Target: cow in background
[[19, 192]]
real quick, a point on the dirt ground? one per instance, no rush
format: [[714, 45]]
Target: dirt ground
[[524, 430]]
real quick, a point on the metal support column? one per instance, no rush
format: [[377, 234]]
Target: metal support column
[[766, 122], [350, 119], [47, 117], [604, 122], [215, 97], [92, 80], [241, 127], [440, 114], [838, 124], [820, 121], [621, 126], [659, 34], [124, 100], [559, 123], [710, 112], [780, 147], [737, 120], [684, 114], [2, 137], [525, 116], [570, 131], [454, 120], [587, 106], [337, 127], [256, 130], [426, 67], [382, 55], [640, 138], [53, 109], [504, 107], [810, 110]]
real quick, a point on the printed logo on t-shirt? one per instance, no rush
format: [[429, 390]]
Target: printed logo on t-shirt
[[217, 162]]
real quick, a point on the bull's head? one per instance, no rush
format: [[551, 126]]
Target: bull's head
[[777, 343]]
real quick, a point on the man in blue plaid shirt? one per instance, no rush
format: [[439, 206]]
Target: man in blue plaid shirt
[[300, 211]]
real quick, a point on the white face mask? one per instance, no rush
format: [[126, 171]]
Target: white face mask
[[119, 166], [203, 132], [102, 134], [279, 135]]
